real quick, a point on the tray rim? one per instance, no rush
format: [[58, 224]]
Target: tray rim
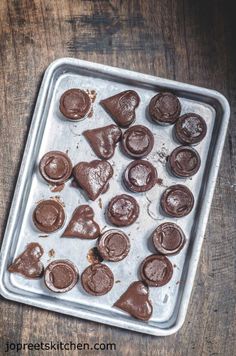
[[15, 205]]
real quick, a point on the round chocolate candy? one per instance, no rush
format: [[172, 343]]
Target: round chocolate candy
[[113, 245], [156, 270], [140, 176], [55, 167], [97, 279], [190, 129], [61, 276], [48, 216], [137, 141], [184, 161], [75, 104], [168, 238], [164, 108], [123, 210], [177, 201]]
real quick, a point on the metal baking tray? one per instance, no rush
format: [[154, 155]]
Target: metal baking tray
[[50, 132]]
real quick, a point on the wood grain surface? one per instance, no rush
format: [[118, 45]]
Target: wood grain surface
[[189, 41]]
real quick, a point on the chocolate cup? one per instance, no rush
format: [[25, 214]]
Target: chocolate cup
[[75, 104], [177, 201], [184, 161], [156, 270], [164, 108], [55, 167], [113, 245], [168, 238], [190, 129], [61, 276], [140, 176], [48, 216], [97, 279], [123, 210], [137, 141]]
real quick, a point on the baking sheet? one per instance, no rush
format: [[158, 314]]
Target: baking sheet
[[49, 131]]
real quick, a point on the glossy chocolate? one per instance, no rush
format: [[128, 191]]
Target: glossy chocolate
[[113, 245], [97, 279], [103, 140], [164, 108], [82, 224], [177, 201], [122, 107], [156, 270], [93, 177], [184, 161], [137, 141], [123, 210], [190, 129], [55, 167], [28, 263], [140, 176], [135, 301], [61, 276], [48, 216], [75, 104], [168, 238]]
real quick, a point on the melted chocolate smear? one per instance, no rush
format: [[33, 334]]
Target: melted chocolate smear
[[93, 256], [122, 107], [135, 301], [28, 263], [82, 224]]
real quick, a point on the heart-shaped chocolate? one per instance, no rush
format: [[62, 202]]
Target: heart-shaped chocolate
[[103, 140], [135, 301], [122, 107], [28, 263], [93, 176], [82, 224]]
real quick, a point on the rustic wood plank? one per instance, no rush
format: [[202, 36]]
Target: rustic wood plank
[[183, 40]]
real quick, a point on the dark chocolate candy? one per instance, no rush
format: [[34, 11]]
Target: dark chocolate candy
[[61, 276], [103, 140], [97, 279], [135, 301], [190, 129], [75, 104], [122, 107], [82, 224], [48, 216], [123, 210], [156, 270], [140, 176], [55, 167], [113, 245], [137, 141], [28, 263], [93, 176], [184, 161], [168, 238], [164, 108], [177, 201]]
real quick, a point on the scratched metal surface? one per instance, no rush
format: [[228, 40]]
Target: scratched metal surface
[[50, 131]]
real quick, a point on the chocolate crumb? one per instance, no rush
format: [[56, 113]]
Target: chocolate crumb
[[93, 256], [43, 236], [57, 188], [100, 203], [51, 253]]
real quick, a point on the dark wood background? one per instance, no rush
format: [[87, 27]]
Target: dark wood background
[[190, 41]]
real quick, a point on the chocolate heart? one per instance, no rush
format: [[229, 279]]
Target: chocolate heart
[[93, 176], [103, 140], [122, 107], [82, 224], [28, 263], [135, 301]]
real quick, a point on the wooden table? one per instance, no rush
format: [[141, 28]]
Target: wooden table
[[190, 41]]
